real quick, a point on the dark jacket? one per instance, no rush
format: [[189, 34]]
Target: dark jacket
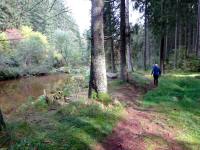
[[156, 71]]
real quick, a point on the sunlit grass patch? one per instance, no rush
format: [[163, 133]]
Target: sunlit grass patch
[[155, 142], [184, 75]]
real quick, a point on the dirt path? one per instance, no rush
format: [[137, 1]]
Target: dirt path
[[140, 129]]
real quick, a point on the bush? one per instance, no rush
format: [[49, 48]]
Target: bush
[[9, 73]]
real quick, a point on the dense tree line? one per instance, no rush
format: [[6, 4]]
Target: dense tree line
[[174, 26], [38, 36], [169, 36]]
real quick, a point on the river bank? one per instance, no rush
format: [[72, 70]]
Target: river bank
[[17, 73]]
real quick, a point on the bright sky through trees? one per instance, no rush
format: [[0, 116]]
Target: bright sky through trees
[[81, 11]]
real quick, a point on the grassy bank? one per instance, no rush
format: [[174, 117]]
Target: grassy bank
[[78, 125], [178, 98]]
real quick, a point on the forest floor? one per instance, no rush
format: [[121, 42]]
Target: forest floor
[[146, 128], [140, 117]]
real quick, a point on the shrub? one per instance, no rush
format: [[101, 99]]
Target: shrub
[[41, 104], [9, 73], [102, 97]]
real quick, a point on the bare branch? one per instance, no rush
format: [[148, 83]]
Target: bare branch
[[52, 5]]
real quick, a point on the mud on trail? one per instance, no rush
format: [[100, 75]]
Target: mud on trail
[[140, 129]]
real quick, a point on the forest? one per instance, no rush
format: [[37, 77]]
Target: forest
[[117, 85]]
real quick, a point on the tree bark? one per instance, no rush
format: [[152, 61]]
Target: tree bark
[[189, 39], [186, 40], [176, 39], [112, 52], [166, 47], [112, 56], [162, 53], [194, 39], [123, 69], [198, 32], [128, 54], [98, 63], [2, 122], [180, 35], [162, 42], [145, 37]]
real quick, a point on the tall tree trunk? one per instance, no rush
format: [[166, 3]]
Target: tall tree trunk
[[162, 54], [98, 64], [166, 43], [198, 32], [149, 49], [112, 52], [2, 123], [176, 39], [180, 35], [166, 47], [189, 39], [186, 40], [162, 42], [123, 69], [145, 37], [194, 39], [112, 56], [91, 81], [128, 54]]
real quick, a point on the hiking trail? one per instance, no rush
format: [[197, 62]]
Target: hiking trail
[[139, 129]]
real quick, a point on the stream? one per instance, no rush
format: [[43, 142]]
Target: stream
[[14, 93]]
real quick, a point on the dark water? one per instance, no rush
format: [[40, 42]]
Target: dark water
[[14, 92]]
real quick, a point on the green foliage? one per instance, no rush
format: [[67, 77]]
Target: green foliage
[[191, 64], [102, 97], [178, 97], [68, 45], [94, 95], [4, 43], [9, 73], [41, 103], [33, 49], [137, 44], [50, 37]]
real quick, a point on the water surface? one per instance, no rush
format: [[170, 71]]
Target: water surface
[[15, 92]]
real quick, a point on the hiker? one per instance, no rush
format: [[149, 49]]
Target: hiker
[[156, 72]]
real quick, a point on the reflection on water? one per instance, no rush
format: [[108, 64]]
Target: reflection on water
[[14, 92]]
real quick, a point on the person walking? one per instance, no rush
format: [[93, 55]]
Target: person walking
[[156, 72]]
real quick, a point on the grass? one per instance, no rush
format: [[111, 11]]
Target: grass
[[140, 78], [178, 98], [78, 126]]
